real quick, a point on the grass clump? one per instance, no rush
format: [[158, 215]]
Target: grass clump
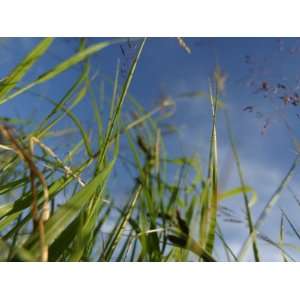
[[62, 208]]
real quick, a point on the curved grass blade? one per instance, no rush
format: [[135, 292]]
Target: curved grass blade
[[22, 68], [239, 190], [43, 127], [62, 67]]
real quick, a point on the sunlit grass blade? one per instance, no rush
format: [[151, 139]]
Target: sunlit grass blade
[[70, 210], [267, 209], [80, 56], [23, 67], [237, 191], [213, 178]]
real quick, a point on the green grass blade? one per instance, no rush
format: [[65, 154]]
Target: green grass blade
[[62, 67], [119, 229], [43, 127], [70, 210], [213, 177], [242, 181], [119, 105], [237, 191], [267, 209], [22, 68]]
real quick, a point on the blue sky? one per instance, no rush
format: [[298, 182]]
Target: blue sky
[[255, 68]]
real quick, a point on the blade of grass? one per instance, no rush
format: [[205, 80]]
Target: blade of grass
[[23, 67], [239, 190], [213, 176], [70, 210], [267, 209], [242, 181], [62, 67], [120, 227]]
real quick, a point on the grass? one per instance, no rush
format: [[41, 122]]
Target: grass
[[57, 208]]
